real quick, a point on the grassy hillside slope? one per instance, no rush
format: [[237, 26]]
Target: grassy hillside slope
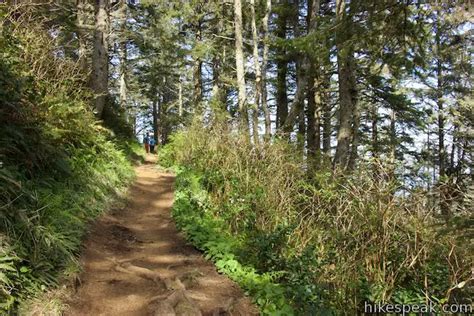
[[58, 166]]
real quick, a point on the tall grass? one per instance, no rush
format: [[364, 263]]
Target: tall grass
[[336, 241], [59, 166]]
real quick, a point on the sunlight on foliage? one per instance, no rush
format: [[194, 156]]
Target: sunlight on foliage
[[51, 146], [331, 242]]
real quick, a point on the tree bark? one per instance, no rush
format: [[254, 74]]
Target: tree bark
[[123, 93], [442, 157], [327, 128], [239, 61], [266, 111], [315, 98], [156, 118], [375, 133], [302, 130], [355, 137], [346, 88], [197, 82], [218, 95], [297, 105], [197, 70], [163, 121], [326, 107], [311, 114], [100, 56], [375, 141], [314, 95], [81, 21], [393, 144], [258, 73], [282, 69], [439, 101], [301, 74], [180, 99]]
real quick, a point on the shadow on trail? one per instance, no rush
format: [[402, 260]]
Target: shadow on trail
[[136, 262]]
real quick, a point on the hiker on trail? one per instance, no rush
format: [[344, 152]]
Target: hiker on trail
[[146, 141], [152, 145]]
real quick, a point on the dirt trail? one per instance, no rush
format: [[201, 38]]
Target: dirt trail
[[136, 263]]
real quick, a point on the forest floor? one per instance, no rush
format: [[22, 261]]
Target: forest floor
[[135, 262]]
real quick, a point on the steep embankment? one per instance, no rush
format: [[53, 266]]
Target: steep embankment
[[136, 263], [59, 166]]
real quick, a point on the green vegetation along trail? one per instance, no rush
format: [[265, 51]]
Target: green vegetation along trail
[[136, 263]]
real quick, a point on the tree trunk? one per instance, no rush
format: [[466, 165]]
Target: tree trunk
[[439, 102], [301, 130], [197, 73], [454, 144], [315, 98], [100, 56], [258, 73], [81, 21], [314, 95], [163, 119], [255, 125], [122, 16], [301, 74], [393, 143], [442, 158], [326, 107], [327, 114], [156, 118], [355, 137], [311, 114], [346, 88], [225, 88], [180, 99], [197, 82], [375, 134], [164, 124], [297, 105], [268, 127], [218, 95], [375, 141], [282, 69], [239, 61], [327, 128]]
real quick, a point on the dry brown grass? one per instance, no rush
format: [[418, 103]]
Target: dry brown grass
[[372, 243]]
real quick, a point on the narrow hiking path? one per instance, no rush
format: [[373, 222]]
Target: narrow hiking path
[[136, 263]]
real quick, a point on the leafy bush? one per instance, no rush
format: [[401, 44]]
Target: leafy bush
[[334, 241], [210, 234]]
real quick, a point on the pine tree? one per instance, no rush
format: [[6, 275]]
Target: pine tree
[[100, 56]]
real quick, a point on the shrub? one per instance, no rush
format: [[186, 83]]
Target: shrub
[[211, 235], [334, 241]]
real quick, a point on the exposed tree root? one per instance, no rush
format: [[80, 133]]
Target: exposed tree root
[[138, 271], [176, 303], [149, 267]]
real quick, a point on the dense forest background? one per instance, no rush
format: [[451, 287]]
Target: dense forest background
[[329, 141]]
